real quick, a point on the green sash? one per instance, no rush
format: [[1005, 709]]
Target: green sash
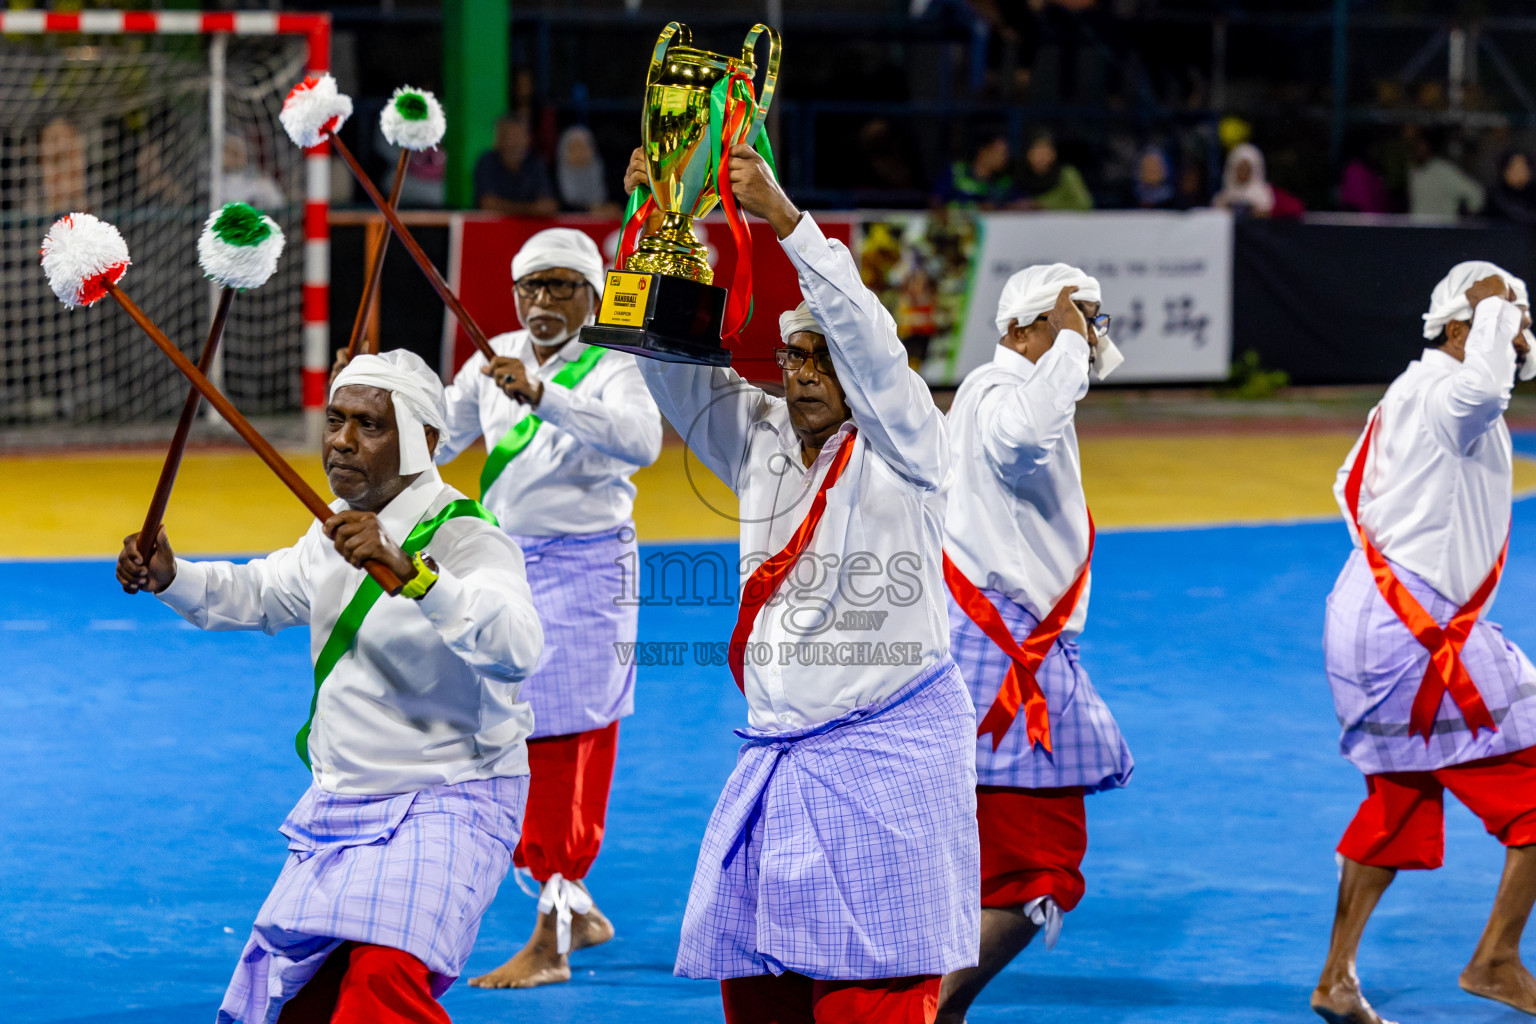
[[509, 447], [369, 591]]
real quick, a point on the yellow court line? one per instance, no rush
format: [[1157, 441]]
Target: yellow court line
[[226, 502]]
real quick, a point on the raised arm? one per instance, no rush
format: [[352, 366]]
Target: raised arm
[[1465, 405], [712, 409], [481, 604], [463, 397], [620, 420], [1022, 423], [890, 403]]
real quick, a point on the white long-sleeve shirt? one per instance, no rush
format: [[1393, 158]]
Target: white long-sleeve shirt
[[428, 693], [1017, 520], [869, 586], [1439, 482], [574, 476]]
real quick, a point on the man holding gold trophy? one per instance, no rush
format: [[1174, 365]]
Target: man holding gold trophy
[[839, 872]]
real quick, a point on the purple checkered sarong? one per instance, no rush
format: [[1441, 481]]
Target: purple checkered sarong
[[413, 871], [580, 684], [1375, 667], [1086, 746], [845, 850]]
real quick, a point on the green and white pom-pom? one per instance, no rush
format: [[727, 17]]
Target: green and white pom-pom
[[413, 119], [313, 108], [239, 246], [81, 255]]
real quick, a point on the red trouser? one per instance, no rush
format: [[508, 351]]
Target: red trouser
[[364, 984], [791, 998], [1401, 824], [567, 802], [1032, 844]]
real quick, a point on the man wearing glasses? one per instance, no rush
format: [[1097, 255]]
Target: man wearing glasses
[[565, 425], [837, 878], [1019, 540]]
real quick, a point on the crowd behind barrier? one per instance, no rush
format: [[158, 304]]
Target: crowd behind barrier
[[1327, 298]]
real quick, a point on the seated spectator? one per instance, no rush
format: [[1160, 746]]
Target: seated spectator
[[983, 182], [1154, 181], [1045, 183], [511, 179], [1437, 187], [1192, 190], [1245, 191], [425, 186], [1514, 194], [884, 165], [1361, 188], [579, 173]]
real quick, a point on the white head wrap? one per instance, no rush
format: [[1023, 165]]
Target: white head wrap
[[1031, 293], [793, 321], [1258, 193], [563, 248], [1449, 299], [417, 394], [1449, 302]]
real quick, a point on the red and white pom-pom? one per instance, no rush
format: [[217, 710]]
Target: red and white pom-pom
[[81, 256], [313, 108]]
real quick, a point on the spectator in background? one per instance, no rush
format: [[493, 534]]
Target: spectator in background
[[1361, 187], [983, 182], [511, 179], [61, 167], [1245, 190], [1437, 187], [242, 181], [1154, 181], [884, 165], [1192, 190], [579, 173], [1045, 183], [157, 183], [1514, 193]]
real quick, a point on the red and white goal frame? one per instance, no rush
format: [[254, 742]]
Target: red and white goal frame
[[316, 29]]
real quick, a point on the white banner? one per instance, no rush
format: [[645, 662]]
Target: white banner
[[1166, 278]]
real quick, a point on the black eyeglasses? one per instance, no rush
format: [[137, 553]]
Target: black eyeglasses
[[1100, 323], [558, 288], [792, 359]]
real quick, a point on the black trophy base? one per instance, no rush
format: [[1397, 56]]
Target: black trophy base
[[661, 317]]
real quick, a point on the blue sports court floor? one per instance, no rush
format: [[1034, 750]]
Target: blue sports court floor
[[147, 766]]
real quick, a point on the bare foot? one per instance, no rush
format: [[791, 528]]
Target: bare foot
[[1342, 1003], [590, 929], [1504, 981], [537, 963]]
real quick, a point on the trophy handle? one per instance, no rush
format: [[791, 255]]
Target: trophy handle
[[683, 36], [659, 55], [770, 76]]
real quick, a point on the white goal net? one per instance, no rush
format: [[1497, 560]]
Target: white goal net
[[124, 127]]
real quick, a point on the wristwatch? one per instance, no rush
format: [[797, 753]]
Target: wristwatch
[[426, 575]]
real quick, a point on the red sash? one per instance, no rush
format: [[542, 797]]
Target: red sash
[[1445, 671], [765, 579], [1019, 685]]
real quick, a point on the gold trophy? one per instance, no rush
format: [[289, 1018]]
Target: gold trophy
[[661, 302]]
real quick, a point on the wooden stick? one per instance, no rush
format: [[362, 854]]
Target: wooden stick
[[312, 501], [433, 277], [150, 534], [376, 268]]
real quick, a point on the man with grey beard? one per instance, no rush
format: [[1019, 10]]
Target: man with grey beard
[[565, 426]]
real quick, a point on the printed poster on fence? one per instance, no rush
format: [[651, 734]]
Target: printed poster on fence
[[1166, 279]]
